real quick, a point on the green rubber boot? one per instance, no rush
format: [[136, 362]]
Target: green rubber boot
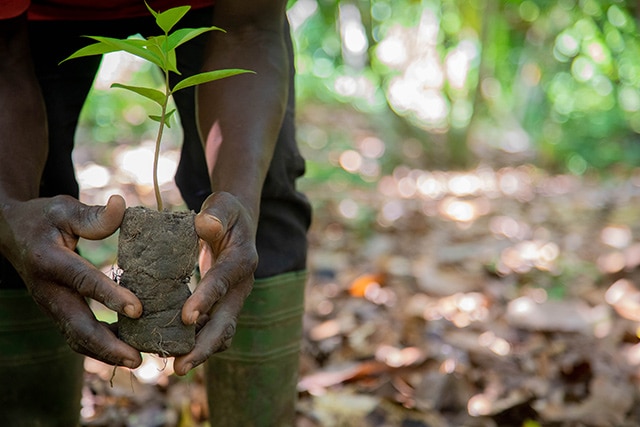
[[40, 376], [253, 383]]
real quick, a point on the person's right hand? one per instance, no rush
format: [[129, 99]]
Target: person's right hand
[[39, 238]]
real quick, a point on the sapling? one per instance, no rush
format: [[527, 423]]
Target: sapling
[[157, 251]]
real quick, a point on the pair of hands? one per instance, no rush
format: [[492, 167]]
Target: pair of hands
[[39, 238]]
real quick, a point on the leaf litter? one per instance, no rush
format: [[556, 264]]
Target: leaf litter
[[505, 297]]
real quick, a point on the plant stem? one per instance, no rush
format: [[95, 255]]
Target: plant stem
[[156, 154]]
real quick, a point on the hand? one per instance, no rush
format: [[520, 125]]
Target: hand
[[228, 260], [39, 238]]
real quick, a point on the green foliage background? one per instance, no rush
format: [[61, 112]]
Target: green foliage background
[[451, 84], [553, 83]]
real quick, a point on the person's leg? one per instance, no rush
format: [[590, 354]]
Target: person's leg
[[265, 351], [40, 376], [253, 383]]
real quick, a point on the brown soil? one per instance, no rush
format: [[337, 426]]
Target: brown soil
[[157, 252]]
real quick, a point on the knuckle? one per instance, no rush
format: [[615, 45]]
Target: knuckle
[[230, 330], [41, 261], [217, 289], [224, 283], [227, 337], [248, 267], [79, 339], [39, 293], [75, 339], [36, 259], [225, 345], [58, 207], [252, 260], [75, 346], [82, 282]]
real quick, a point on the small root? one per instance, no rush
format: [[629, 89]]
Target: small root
[[166, 362], [113, 375], [161, 352], [171, 321]]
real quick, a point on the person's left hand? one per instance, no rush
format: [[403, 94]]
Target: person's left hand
[[228, 260]]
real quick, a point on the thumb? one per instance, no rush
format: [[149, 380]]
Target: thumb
[[98, 222], [208, 227]]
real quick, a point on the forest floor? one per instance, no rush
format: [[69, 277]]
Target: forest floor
[[443, 299]]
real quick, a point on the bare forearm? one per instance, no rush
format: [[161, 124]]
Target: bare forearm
[[23, 134], [240, 117]]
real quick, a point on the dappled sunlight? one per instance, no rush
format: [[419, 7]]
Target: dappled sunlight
[[117, 67], [136, 163], [527, 255], [91, 175], [153, 368]]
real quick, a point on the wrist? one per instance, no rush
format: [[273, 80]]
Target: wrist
[[243, 190]]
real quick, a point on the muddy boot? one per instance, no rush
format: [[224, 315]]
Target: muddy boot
[[40, 376], [253, 383]]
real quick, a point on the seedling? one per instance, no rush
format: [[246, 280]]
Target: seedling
[[157, 250], [161, 51]]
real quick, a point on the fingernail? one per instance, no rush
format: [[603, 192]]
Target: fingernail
[[214, 222], [130, 311], [194, 317]]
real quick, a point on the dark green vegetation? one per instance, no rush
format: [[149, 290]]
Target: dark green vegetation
[[555, 83]]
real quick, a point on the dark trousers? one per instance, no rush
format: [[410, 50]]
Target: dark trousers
[[284, 212]]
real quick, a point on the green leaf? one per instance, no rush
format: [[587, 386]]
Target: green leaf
[[133, 46], [153, 12], [158, 45], [172, 62], [92, 49], [183, 35], [152, 94], [167, 19], [167, 118], [208, 77]]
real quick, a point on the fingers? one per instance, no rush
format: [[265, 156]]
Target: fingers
[[208, 227], [98, 222], [228, 255], [62, 265], [219, 213], [216, 335], [83, 332], [226, 273], [65, 266], [89, 222], [228, 261]]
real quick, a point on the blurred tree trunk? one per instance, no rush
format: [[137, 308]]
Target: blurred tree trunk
[[487, 11]]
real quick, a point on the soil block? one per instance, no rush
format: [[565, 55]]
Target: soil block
[[157, 253]]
